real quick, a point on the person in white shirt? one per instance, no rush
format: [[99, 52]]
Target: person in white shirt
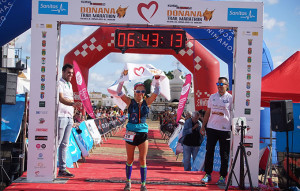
[[65, 117], [217, 120]]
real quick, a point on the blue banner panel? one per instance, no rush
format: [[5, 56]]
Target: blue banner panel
[[85, 136], [12, 116], [15, 18], [74, 149]]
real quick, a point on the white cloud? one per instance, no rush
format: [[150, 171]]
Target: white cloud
[[277, 60], [69, 41], [270, 23], [100, 83], [133, 58], [272, 1], [24, 41]]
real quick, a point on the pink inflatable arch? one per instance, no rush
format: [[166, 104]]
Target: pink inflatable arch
[[204, 67]]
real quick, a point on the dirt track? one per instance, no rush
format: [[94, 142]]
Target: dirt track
[[153, 153]]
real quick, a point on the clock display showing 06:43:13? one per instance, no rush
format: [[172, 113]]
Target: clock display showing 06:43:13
[[165, 39]]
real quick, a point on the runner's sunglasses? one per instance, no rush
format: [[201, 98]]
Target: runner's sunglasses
[[140, 91], [220, 84]]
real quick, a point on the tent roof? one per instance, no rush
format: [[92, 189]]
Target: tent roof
[[282, 83]]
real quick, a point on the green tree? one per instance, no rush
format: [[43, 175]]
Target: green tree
[[169, 75], [147, 84]]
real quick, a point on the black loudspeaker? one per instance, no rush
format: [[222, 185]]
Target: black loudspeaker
[[8, 88], [282, 115]]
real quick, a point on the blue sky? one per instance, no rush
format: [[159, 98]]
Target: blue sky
[[281, 34]]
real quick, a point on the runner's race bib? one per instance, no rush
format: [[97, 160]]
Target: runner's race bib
[[129, 136]]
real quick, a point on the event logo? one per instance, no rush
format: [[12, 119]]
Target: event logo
[[139, 71], [43, 86], [248, 86], [43, 43], [242, 14], [78, 78], [250, 42], [39, 165], [144, 5], [40, 156], [41, 120], [43, 79], [208, 15], [41, 138], [247, 93], [44, 34], [41, 112], [41, 129], [42, 104], [121, 12], [185, 89], [43, 60], [249, 68], [53, 8], [247, 111], [247, 102], [248, 76]]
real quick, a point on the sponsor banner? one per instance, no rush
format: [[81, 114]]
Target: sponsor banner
[[12, 116], [184, 95], [159, 12], [42, 105], [83, 92], [53, 8], [247, 95], [74, 149], [91, 126]]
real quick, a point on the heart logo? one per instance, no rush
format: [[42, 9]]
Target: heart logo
[[138, 71], [141, 5]]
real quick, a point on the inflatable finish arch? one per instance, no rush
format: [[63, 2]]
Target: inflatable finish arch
[[204, 67]]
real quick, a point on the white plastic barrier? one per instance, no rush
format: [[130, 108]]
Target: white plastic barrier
[[91, 126]]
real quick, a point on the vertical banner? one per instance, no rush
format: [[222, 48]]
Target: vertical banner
[[247, 94], [184, 95], [42, 107], [83, 92]]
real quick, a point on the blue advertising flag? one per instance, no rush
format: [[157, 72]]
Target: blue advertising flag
[[15, 18], [11, 121]]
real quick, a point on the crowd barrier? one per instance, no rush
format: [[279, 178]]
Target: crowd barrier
[[172, 134], [88, 135]]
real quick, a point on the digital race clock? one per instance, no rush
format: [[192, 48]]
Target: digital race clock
[[165, 39]]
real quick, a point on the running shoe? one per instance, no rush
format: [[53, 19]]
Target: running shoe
[[221, 181], [127, 186], [143, 188], [65, 173], [206, 178]]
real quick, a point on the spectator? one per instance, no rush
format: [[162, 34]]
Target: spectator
[[191, 139], [218, 121]]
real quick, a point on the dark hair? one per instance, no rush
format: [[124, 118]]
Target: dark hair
[[201, 112], [223, 78], [67, 66]]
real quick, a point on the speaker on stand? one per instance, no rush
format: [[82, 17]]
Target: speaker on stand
[[282, 120]]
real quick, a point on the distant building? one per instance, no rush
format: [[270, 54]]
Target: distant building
[[107, 101], [161, 104], [96, 98]]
